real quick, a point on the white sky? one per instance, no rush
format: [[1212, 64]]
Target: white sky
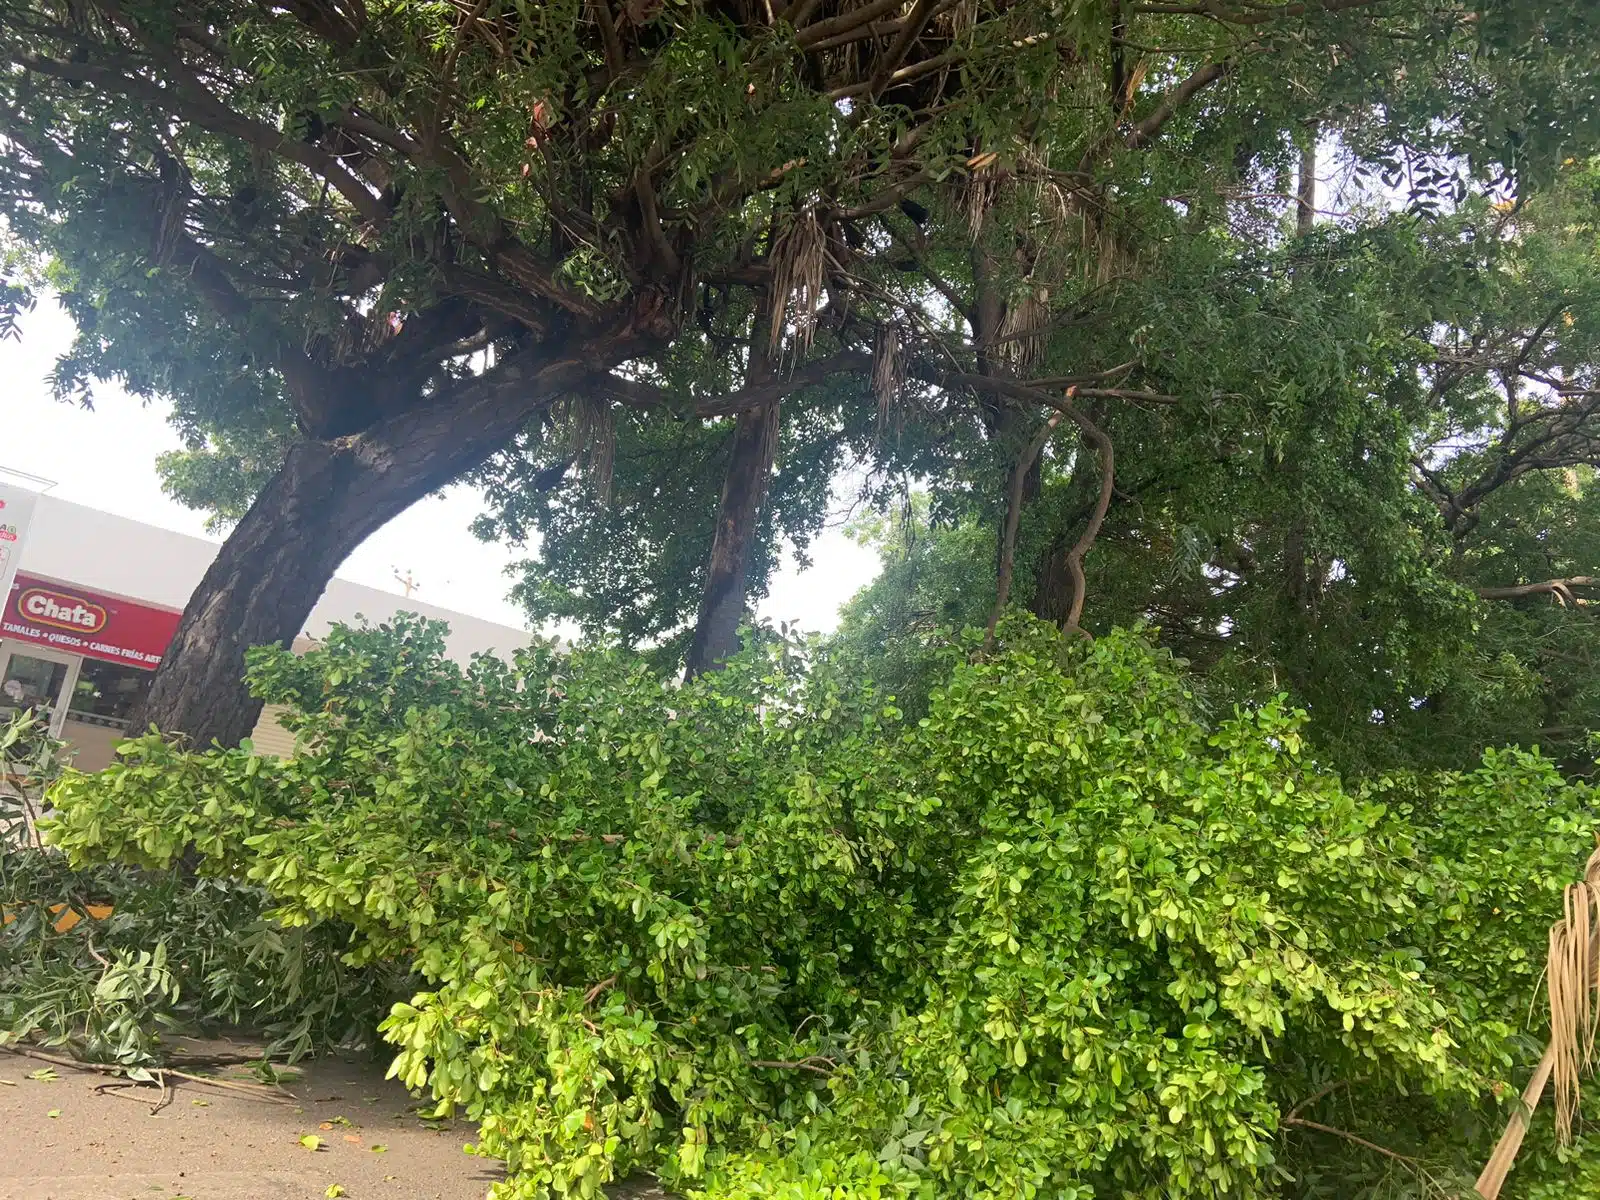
[[106, 459]]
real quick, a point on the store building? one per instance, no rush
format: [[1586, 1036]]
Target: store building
[[95, 598]]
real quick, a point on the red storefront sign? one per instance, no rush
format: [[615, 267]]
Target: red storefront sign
[[87, 623]]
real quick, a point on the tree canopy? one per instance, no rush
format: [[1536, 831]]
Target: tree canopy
[[367, 248]]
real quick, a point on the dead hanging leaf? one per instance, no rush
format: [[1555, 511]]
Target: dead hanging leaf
[[888, 373], [799, 262], [1574, 997], [311, 1141]]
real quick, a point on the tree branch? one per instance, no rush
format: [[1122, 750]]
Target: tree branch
[[1008, 534], [1560, 590], [810, 35], [638, 394], [910, 30], [1302, 1123], [1142, 134], [196, 105], [1092, 434], [1250, 14]]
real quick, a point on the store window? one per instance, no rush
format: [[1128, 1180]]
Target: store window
[[107, 693]]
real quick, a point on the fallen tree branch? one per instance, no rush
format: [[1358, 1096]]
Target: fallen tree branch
[[1326, 1089], [1302, 1123], [158, 1075]]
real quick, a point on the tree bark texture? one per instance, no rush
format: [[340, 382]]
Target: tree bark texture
[[1305, 215], [744, 490], [327, 498]]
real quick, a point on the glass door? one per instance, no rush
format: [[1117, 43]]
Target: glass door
[[36, 678]]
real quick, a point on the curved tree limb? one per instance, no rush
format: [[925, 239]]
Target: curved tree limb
[[1097, 438], [1008, 535]]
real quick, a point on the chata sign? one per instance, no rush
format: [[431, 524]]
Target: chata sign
[[70, 618]]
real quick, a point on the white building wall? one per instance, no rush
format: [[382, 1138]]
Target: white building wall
[[71, 543]]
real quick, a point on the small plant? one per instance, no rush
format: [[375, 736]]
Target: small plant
[[30, 761]]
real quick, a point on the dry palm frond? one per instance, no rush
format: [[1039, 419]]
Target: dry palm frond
[[1574, 1018], [980, 189], [888, 372], [957, 19], [592, 436], [799, 262], [1573, 995], [1022, 330]]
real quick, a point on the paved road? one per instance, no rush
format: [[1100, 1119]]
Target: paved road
[[211, 1144]]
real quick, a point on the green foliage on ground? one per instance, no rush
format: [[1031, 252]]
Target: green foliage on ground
[[1069, 933], [174, 952]]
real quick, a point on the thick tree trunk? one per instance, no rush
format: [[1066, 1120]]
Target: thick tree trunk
[[1053, 591], [261, 588], [1305, 214], [326, 499], [744, 489]]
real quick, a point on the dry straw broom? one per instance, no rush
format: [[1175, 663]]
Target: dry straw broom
[[1574, 1019]]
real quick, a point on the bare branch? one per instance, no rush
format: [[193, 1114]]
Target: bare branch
[[1302, 1123], [910, 30], [1561, 591], [1144, 132], [832, 27], [1251, 14], [637, 394]]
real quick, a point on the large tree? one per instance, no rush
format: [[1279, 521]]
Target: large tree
[[1366, 480], [1232, 327], [366, 247]]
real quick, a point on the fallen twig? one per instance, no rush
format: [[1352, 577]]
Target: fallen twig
[[1302, 1123], [805, 1064], [166, 1093], [158, 1077], [62, 1061]]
